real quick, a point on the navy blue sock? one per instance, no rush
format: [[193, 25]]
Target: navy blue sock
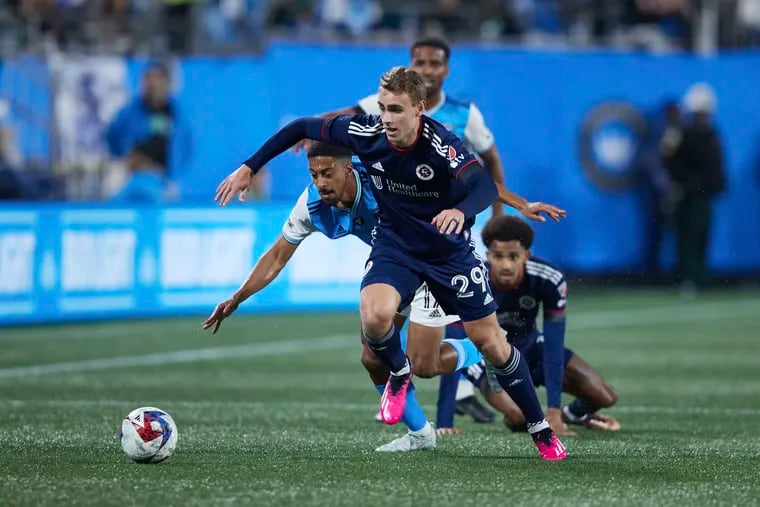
[[388, 349], [514, 377], [579, 408], [447, 393]]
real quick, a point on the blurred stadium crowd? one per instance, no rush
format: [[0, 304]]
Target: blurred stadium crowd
[[134, 27]]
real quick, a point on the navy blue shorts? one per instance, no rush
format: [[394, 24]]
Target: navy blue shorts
[[459, 284], [532, 349]]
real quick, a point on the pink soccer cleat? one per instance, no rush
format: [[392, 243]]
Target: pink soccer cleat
[[548, 445], [393, 401]]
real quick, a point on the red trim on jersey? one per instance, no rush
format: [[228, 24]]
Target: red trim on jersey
[[323, 129], [555, 312], [463, 167], [397, 148]]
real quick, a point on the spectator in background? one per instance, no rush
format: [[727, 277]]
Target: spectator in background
[[145, 163], [696, 168], [11, 184], [665, 131], [153, 114]]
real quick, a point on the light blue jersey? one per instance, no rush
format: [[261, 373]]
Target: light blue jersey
[[464, 119], [312, 214]]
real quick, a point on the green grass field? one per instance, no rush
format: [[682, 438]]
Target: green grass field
[[276, 410]]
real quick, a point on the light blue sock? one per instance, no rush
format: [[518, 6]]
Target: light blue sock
[[413, 417], [467, 353]]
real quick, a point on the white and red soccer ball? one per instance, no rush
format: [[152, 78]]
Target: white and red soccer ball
[[148, 435]]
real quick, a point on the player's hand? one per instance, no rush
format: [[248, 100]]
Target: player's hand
[[301, 146], [534, 209], [238, 181], [603, 422], [449, 221], [221, 312], [448, 431], [554, 418]]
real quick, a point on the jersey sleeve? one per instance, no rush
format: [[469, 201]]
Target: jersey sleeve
[[369, 104], [299, 224], [476, 133], [351, 130], [555, 297], [456, 154]]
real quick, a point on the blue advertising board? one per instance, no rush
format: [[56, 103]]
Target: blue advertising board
[[74, 262]]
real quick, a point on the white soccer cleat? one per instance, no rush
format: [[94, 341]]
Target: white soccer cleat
[[410, 442]]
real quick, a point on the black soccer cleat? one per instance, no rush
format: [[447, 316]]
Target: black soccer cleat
[[474, 408]]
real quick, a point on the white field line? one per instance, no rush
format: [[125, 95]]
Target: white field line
[[578, 322], [186, 356], [348, 407]]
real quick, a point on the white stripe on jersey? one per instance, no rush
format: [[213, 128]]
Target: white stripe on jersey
[[365, 130], [435, 141], [544, 271]]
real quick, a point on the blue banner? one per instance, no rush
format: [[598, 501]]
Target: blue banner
[[74, 262]]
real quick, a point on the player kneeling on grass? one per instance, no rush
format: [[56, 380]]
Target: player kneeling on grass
[[521, 285]]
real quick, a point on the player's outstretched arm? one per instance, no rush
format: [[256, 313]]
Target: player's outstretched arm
[[531, 210], [266, 270], [303, 145], [287, 136], [492, 163], [481, 192]]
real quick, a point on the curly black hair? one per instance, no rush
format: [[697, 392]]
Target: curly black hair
[[508, 228]]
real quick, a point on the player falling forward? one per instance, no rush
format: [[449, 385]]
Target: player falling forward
[[429, 189], [521, 286]]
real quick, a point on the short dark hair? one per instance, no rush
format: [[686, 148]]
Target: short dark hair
[[508, 228], [433, 42], [322, 149]]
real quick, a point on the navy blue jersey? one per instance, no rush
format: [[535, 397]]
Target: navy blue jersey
[[543, 286], [411, 185]]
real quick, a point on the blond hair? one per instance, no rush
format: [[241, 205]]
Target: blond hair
[[405, 80]]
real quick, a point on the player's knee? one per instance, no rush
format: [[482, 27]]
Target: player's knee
[[494, 350], [515, 421], [609, 397], [424, 366], [376, 319], [370, 361]]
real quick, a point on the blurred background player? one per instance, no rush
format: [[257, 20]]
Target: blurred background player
[[522, 286]]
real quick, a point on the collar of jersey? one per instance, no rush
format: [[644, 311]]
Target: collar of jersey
[[431, 111], [358, 198]]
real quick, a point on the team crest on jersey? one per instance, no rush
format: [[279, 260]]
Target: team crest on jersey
[[454, 157], [424, 172], [527, 303]]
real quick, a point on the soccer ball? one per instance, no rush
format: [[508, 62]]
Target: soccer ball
[[148, 435]]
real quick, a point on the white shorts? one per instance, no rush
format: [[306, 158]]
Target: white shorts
[[425, 311]]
